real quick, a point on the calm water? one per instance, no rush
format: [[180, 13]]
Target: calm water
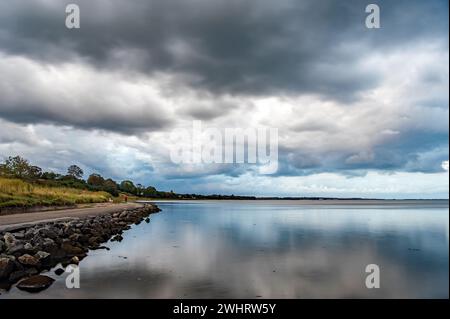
[[271, 250]]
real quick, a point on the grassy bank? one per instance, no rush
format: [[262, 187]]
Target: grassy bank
[[18, 193]]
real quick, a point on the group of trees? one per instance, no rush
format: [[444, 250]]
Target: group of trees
[[18, 167]]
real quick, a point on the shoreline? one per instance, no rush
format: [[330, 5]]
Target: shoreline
[[432, 203], [12, 221], [27, 251]]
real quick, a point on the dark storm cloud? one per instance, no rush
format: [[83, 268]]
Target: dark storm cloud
[[97, 119], [239, 47]]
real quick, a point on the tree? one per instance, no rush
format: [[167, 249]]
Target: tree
[[50, 176], [111, 187], [19, 167], [128, 187], [150, 192], [95, 180], [75, 171], [140, 189], [35, 172]]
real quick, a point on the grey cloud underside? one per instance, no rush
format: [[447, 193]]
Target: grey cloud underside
[[239, 47], [126, 124]]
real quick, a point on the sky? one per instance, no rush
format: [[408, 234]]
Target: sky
[[360, 112]]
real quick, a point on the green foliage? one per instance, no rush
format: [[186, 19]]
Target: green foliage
[[75, 172], [20, 168], [95, 180], [150, 192], [128, 187], [111, 187]]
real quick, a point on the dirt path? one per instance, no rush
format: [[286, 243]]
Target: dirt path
[[10, 222]]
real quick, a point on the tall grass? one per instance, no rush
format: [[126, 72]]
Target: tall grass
[[17, 193]]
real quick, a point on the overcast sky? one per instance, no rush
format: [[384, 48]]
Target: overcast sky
[[360, 112]]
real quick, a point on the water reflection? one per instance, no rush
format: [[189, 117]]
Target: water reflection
[[270, 250]]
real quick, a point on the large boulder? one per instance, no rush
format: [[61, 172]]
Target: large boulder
[[35, 283]]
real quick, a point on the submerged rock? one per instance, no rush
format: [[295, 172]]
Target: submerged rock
[[35, 283], [118, 238], [59, 271]]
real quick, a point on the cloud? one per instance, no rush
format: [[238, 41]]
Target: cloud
[[445, 166], [77, 95], [237, 47]]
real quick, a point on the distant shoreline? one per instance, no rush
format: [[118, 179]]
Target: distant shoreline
[[292, 199], [439, 203]]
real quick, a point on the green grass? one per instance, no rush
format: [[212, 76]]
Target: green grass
[[17, 193]]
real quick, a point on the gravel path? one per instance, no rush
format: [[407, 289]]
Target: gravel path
[[15, 221]]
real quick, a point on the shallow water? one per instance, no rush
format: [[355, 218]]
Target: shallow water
[[271, 249]]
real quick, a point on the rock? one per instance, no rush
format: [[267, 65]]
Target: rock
[[32, 271], [47, 232], [28, 260], [59, 271], [16, 249], [35, 283], [100, 247], [19, 235], [71, 250], [74, 237], [75, 260], [118, 238], [28, 246], [18, 265], [49, 245], [5, 285], [6, 267], [9, 239], [2, 246], [147, 220], [41, 255], [123, 214], [17, 275], [94, 241]]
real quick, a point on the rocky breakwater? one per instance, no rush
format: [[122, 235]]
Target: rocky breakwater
[[24, 253]]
